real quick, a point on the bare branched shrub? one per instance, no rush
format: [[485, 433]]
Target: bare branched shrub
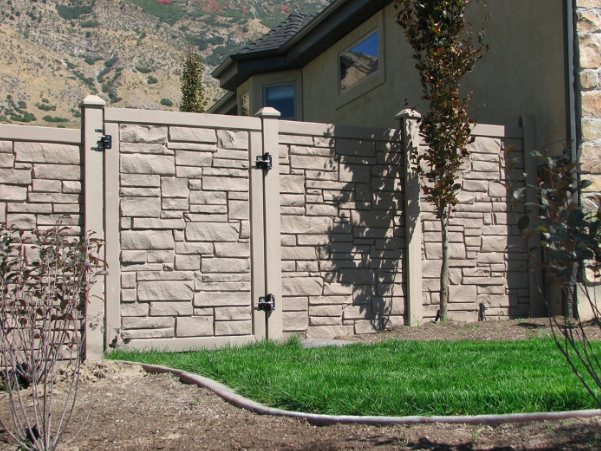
[[570, 233], [45, 281]]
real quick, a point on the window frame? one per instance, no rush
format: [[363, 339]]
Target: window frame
[[373, 80]]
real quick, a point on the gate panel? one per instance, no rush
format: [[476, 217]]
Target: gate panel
[[184, 235]]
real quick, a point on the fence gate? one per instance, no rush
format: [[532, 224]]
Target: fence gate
[[191, 222]]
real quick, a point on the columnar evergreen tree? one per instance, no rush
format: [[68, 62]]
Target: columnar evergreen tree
[[193, 98], [444, 51]]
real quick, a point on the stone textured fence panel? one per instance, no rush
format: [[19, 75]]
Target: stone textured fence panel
[[336, 231], [487, 261], [185, 232], [343, 233], [40, 177]]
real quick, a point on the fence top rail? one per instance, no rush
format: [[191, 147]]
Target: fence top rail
[[338, 131], [497, 131], [39, 134], [383, 134], [175, 118]]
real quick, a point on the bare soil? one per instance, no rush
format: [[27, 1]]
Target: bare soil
[[131, 410]]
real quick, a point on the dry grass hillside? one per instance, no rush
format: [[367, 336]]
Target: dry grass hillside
[[128, 52]]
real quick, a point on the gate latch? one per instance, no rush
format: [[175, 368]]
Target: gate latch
[[264, 161], [105, 142], [267, 303]]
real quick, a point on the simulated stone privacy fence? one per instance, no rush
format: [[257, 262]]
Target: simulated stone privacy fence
[[40, 177], [196, 233]]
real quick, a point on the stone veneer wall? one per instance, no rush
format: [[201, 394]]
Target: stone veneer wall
[[487, 263], [185, 235], [342, 234], [588, 14], [40, 181]]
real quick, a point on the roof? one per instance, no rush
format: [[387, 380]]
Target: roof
[[278, 36], [296, 41]]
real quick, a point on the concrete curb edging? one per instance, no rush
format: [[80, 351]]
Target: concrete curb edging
[[235, 399]]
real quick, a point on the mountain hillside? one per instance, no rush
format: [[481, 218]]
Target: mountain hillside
[[128, 52]]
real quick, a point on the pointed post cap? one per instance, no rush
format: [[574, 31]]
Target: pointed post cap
[[92, 101], [268, 112], [409, 114]]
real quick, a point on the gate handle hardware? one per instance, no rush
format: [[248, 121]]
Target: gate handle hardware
[[105, 142], [267, 303], [264, 161]]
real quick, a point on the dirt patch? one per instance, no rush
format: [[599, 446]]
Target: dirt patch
[[483, 330], [132, 410]]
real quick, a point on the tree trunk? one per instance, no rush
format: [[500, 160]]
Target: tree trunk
[[444, 270]]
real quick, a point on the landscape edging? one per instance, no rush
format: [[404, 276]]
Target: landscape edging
[[237, 400]]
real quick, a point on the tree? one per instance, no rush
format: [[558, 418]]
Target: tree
[[444, 52], [193, 98]]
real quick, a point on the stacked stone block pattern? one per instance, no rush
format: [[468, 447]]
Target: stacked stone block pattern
[[588, 13], [487, 261], [40, 184], [343, 235], [185, 232]]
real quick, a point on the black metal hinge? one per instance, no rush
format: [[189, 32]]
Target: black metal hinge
[[267, 303], [264, 161], [105, 142]]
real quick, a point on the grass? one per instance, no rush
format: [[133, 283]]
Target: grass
[[391, 377]]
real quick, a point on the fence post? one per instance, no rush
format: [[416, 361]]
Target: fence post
[[409, 125], [535, 278], [92, 123], [271, 207]]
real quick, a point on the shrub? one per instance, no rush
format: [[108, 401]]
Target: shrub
[[111, 62], [55, 119], [143, 69], [45, 283], [152, 80], [166, 102], [73, 12], [571, 251], [90, 24]]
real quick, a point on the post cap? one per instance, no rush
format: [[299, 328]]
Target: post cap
[[268, 112], [409, 114], [92, 101]]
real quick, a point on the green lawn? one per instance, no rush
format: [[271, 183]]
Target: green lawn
[[391, 377]]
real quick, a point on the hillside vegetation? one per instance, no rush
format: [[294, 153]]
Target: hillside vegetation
[[129, 52]]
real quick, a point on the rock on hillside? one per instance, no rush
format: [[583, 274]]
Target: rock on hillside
[[129, 52]]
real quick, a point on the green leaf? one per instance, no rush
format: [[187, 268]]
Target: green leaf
[[517, 194], [524, 222]]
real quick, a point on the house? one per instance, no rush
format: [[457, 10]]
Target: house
[[351, 65]]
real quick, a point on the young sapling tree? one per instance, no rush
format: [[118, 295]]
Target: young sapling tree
[[444, 51]]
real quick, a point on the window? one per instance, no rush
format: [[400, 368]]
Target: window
[[281, 97], [244, 106], [359, 62]]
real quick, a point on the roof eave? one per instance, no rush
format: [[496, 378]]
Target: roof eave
[[312, 40]]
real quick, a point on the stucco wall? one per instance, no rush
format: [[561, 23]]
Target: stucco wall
[[523, 72]]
